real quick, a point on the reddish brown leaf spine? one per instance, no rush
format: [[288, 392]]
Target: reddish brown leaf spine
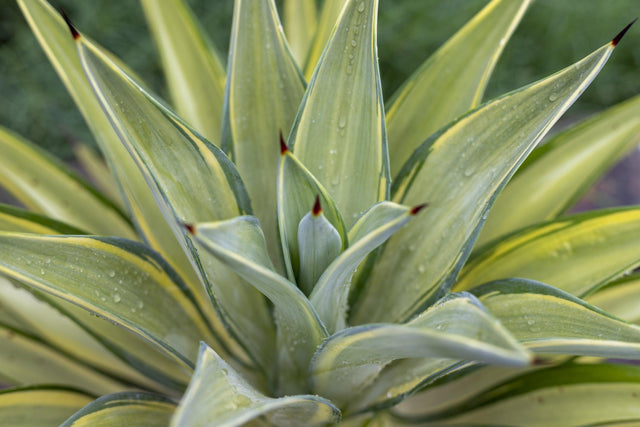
[[283, 145], [190, 228], [416, 209], [317, 207], [621, 34], [74, 32]]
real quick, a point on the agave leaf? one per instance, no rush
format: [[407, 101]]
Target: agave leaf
[[319, 243], [131, 285], [297, 190], [209, 189], [127, 408], [570, 394], [53, 35], [219, 396], [300, 23], [620, 298], [98, 171], [47, 186], [15, 219], [76, 331], [550, 321], [41, 318], [328, 17], [400, 379], [557, 174], [25, 360], [155, 369], [193, 68], [339, 133], [39, 406], [264, 89], [577, 254], [458, 384], [373, 228], [459, 171], [451, 81], [240, 244], [456, 328]]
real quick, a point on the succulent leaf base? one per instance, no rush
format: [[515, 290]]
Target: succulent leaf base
[[283, 248]]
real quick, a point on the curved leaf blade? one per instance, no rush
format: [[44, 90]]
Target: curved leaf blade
[[557, 174], [71, 332], [155, 368], [319, 243], [451, 81], [27, 361], [53, 34], [16, 219], [341, 119], [209, 189], [577, 254], [219, 396], [328, 16], [459, 171], [263, 92], [297, 191], [39, 406], [620, 298], [127, 275], [47, 186], [239, 243], [39, 316], [550, 321], [331, 293], [193, 69], [399, 380], [570, 394], [300, 23], [127, 408], [457, 328]]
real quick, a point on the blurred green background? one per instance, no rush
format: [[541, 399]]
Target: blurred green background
[[553, 34]]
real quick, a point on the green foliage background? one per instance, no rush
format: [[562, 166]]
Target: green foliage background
[[552, 35]]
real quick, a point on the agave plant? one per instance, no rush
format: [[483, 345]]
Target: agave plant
[[286, 249]]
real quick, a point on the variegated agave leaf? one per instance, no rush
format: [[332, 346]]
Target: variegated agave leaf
[[254, 264]]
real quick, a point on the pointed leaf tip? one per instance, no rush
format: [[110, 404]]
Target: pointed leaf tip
[[317, 207], [190, 228], [416, 209], [283, 145], [74, 32], [621, 34]]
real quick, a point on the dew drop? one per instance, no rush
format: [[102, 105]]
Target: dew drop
[[140, 305], [342, 122], [111, 273], [553, 97], [354, 43], [361, 7], [117, 298], [41, 272], [468, 172], [421, 268]]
